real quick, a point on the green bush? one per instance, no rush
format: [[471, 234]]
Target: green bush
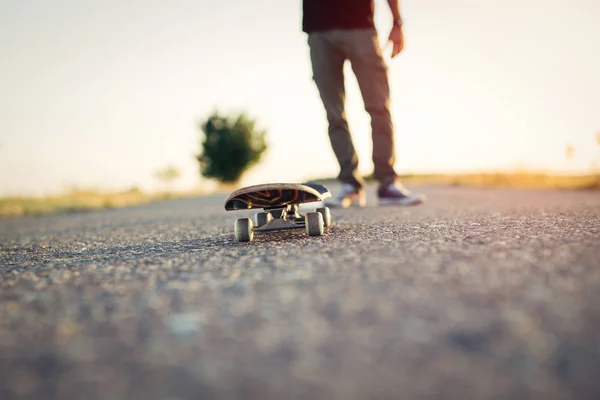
[[230, 147]]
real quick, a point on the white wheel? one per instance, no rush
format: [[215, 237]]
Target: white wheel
[[263, 218], [326, 216], [314, 224], [243, 230]]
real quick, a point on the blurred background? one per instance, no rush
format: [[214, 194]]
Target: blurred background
[[112, 95]]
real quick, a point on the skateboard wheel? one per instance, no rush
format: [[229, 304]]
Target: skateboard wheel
[[243, 230], [326, 216], [314, 224], [263, 218]]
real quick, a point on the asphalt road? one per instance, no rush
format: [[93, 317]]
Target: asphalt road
[[478, 294]]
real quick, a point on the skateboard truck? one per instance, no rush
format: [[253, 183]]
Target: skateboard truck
[[288, 212], [279, 218]]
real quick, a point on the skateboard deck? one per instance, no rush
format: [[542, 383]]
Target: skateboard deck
[[279, 202], [275, 195]]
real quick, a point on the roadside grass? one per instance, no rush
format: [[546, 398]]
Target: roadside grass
[[79, 200], [520, 180]]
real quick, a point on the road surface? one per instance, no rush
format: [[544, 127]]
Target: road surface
[[478, 294]]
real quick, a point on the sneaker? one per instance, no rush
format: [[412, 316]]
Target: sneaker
[[396, 194], [348, 196]]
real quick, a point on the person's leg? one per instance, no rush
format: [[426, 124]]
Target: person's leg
[[371, 73], [370, 69], [328, 73]]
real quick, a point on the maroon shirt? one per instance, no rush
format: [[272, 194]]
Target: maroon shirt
[[319, 15]]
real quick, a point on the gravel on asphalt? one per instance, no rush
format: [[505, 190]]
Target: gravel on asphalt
[[478, 294]]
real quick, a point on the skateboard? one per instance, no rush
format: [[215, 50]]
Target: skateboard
[[279, 203]]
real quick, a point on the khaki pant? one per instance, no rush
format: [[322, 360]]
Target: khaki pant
[[328, 51]]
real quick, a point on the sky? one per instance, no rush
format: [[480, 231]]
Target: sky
[[101, 94]]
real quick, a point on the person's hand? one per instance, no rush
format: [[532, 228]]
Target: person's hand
[[397, 40]]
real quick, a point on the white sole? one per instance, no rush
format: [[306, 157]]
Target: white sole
[[405, 202], [348, 204]]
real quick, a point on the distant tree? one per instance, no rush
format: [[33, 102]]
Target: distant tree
[[231, 146], [596, 162], [570, 152], [167, 175]]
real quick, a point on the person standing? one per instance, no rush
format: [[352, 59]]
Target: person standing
[[340, 31]]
